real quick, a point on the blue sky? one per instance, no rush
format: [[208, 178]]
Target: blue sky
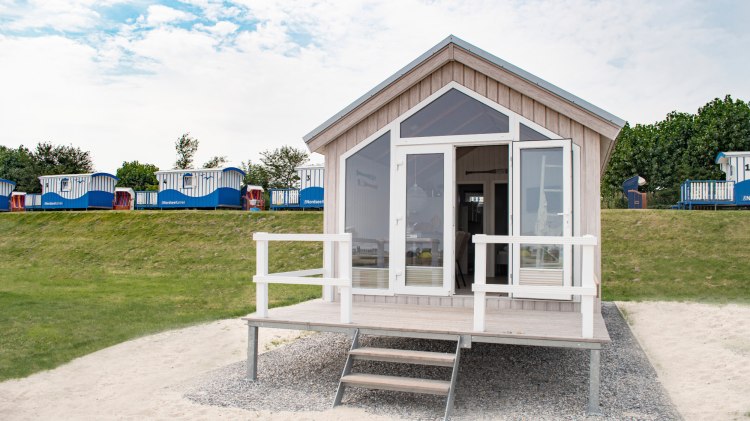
[[124, 79]]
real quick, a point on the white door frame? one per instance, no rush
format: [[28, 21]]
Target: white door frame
[[566, 145], [399, 179]]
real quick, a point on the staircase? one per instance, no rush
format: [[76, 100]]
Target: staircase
[[400, 384]]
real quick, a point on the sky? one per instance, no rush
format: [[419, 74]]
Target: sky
[[124, 79]]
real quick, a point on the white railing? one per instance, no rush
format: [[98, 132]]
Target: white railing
[[587, 290], [344, 280]]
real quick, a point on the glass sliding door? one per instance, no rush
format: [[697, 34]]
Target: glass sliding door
[[542, 208], [423, 224]]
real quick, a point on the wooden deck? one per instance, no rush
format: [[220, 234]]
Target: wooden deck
[[521, 327]]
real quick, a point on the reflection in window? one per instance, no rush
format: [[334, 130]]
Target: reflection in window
[[454, 113], [424, 220], [65, 184], [367, 211], [541, 205], [528, 133]]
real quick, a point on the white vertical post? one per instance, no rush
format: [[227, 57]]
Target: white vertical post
[[261, 269], [328, 293], [345, 273], [587, 281], [480, 278]]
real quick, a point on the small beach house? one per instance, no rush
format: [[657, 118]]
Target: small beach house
[[308, 195], [713, 194], [207, 188], [77, 191], [462, 203], [6, 190]]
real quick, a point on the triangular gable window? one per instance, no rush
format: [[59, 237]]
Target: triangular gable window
[[454, 113], [527, 133]]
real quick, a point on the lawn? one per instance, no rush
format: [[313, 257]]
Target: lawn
[[75, 282], [676, 255]]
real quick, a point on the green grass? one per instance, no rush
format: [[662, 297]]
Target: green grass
[[75, 282], [676, 255]]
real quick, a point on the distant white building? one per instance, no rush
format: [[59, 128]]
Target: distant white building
[[310, 175], [736, 165]]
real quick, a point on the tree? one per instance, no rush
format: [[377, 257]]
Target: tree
[[720, 126], [24, 166], [216, 162], [255, 174], [18, 165], [280, 165], [61, 159], [680, 147], [186, 147], [138, 176]]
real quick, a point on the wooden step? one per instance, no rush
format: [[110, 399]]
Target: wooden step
[[398, 384], [404, 356]]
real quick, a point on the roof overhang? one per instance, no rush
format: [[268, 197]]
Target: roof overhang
[[723, 157]]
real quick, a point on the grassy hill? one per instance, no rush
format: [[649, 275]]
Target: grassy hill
[[75, 282], [676, 255]]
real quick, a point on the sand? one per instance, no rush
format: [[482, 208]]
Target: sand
[[701, 353], [146, 378]]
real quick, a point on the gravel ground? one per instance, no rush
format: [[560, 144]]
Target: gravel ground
[[494, 382]]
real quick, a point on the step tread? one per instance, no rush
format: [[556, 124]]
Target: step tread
[[404, 356], [399, 384]]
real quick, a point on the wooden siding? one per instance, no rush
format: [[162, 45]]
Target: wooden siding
[[593, 144]]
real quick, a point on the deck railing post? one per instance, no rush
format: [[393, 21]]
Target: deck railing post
[[345, 273], [480, 278], [587, 281], [328, 291], [261, 269]]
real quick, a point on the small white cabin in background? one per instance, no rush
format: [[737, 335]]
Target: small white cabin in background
[[462, 203], [311, 175], [200, 188], [736, 165]]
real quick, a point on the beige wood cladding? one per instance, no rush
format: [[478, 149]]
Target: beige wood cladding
[[593, 134]]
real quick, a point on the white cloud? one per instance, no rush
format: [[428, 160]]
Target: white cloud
[[261, 74], [158, 15]]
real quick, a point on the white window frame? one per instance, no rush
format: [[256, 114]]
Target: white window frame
[[567, 156], [341, 208], [492, 139], [397, 256], [192, 181], [65, 184]]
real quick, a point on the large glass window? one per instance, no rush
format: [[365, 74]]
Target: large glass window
[[425, 194], [454, 113], [367, 212], [541, 205]]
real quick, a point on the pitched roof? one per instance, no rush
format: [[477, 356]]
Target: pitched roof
[[451, 39]]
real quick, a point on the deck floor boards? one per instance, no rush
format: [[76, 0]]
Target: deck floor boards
[[516, 324]]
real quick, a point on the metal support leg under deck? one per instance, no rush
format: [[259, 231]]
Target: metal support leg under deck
[[594, 383], [252, 353]]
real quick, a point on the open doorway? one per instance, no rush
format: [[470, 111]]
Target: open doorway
[[482, 207]]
